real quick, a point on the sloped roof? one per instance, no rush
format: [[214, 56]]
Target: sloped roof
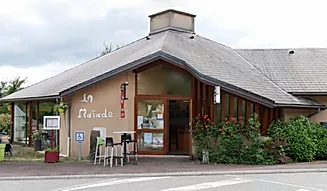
[[304, 71], [208, 60]]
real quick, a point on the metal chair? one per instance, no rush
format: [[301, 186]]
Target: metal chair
[[114, 148], [133, 143]]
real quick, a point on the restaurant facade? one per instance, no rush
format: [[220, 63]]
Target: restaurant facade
[[155, 87]]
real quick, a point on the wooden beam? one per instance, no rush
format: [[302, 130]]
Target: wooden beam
[[37, 115], [223, 106], [204, 99], [239, 107], [30, 123], [26, 121], [211, 92], [265, 118], [199, 105], [231, 105], [248, 110], [12, 122]]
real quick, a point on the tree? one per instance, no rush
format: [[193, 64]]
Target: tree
[[108, 48], [14, 85], [7, 88]]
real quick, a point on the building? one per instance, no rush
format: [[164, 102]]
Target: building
[[172, 75]]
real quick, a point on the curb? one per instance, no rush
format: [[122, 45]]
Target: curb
[[203, 173]]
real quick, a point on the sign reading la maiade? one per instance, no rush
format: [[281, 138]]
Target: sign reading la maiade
[[92, 114]]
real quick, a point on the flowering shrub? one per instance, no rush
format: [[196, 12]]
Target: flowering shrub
[[5, 123], [231, 141]]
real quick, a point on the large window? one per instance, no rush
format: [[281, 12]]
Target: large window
[[20, 133], [150, 125], [164, 80]]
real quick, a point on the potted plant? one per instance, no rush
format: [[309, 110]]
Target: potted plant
[[37, 139], [51, 155], [61, 107]]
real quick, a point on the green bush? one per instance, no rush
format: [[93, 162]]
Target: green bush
[[232, 141], [305, 139]]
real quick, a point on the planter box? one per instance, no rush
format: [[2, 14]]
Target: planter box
[[51, 157], [37, 145]]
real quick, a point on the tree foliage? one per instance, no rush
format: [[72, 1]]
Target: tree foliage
[[7, 88]]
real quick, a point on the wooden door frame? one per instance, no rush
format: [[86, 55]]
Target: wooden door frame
[[165, 131]]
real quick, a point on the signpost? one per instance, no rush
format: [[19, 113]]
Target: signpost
[[79, 137]]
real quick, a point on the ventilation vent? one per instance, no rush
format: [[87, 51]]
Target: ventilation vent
[[291, 52]]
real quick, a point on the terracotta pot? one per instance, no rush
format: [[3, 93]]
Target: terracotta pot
[[51, 157]]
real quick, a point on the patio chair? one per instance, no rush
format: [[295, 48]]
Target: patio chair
[[113, 148], [98, 150], [129, 142]]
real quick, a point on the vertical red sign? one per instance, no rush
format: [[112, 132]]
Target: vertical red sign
[[122, 100]]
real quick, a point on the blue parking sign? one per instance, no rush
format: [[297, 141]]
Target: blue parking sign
[[79, 136]]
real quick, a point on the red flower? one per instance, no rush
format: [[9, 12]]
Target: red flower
[[199, 114], [206, 126], [226, 122], [206, 116], [232, 118], [223, 129], [242, 121], [241, 117]]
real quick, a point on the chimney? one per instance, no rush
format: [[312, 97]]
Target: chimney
[[172, 19]]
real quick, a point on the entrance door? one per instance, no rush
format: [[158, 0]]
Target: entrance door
[[179, 124]]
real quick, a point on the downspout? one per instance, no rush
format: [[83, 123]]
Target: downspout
[[69, 129], [312, 114]]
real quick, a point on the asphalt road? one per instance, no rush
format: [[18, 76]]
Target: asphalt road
[[279, 182]]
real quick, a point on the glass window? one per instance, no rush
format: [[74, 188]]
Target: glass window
[[150, 114], [163, 80], [20, 123], [150, 141]]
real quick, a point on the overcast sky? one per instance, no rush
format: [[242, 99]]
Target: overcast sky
[[40, 38]]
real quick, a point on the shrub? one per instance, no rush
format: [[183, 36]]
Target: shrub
[[231, 141], [5, 123], [300, 135]]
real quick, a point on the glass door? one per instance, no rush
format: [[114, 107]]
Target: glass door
[[150, 121]]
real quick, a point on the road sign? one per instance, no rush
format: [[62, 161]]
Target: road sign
[[79, 136]]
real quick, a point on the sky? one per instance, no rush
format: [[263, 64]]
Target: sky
[[41, 38]]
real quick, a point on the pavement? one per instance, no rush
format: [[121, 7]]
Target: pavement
[[153, 167], [249, 182]]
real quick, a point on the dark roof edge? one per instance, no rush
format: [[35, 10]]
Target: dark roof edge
[[172, 10], [29, 99], [301, 106], [309, 93]]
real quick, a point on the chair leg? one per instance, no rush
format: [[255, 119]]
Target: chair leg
[[112, 156], [121, 156], [135, 145], [100, 148], [116, 154], [96, 154], [105, 159]]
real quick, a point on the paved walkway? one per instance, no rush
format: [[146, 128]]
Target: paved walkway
[[145, 165]]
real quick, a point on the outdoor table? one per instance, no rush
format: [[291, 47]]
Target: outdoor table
[[124, 133]]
